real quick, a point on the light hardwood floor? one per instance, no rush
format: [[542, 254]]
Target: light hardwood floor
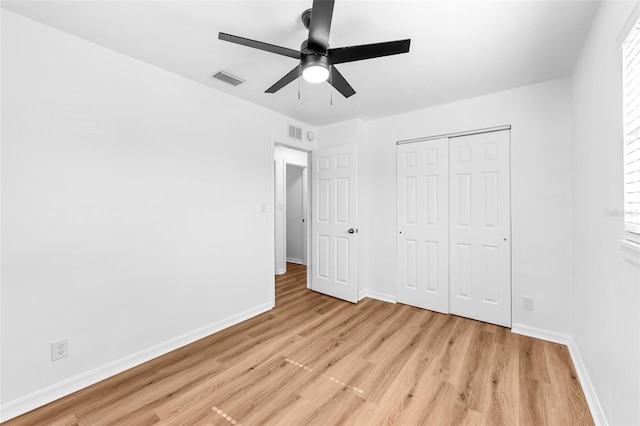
[[318, 360]]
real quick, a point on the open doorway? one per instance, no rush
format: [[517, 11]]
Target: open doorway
[[291, 207], [295, 214]]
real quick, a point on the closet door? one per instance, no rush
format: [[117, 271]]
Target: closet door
[[422, 224], [480, 224]]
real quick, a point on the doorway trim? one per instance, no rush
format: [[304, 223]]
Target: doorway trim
[[272, 217]]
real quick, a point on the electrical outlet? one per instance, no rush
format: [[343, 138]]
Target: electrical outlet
[[59, 349], [527, 303]]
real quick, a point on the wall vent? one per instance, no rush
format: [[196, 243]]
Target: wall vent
[[295, 132], [228, 78]]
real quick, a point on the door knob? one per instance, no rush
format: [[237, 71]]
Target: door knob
[[352, 231]]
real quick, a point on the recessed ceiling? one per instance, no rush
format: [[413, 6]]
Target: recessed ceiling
[[459, 49]]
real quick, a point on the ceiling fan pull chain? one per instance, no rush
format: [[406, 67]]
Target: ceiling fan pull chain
[[299, 74], [331, 88]]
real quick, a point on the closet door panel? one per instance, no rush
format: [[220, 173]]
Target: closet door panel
[[423, 224], [480, 240]]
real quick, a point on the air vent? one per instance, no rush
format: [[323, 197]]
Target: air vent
[[228, 78], [295, 132]]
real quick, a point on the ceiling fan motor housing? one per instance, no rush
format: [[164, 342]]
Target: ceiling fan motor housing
[[315, 59], [305, 49]]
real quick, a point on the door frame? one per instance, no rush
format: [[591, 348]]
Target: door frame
[[272, 214]]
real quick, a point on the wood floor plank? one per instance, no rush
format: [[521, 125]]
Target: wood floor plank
[[388, 336], [474, 374], [534, 379], [533, 361], [453, 349], [316, 360], [273, 378], [66, 421], [502, 403], [566, 387], [440, 327], [407, 398], [386, 371], [220, 388]]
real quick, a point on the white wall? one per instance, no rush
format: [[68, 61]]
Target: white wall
[[343, 133], [541, 191], [283, 156], [120, 228], [295, 214], [606, 288]]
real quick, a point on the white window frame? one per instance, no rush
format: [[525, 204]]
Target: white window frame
[[629, 41]]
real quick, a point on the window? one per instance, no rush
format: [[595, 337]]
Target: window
[[631, 121]]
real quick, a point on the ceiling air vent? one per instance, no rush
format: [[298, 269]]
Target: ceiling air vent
[[295, 132], [228, 78]]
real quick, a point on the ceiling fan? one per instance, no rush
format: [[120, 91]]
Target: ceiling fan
[[317, 60]]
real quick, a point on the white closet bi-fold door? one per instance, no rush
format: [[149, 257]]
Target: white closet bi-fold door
[[423, 224], [454, 250]]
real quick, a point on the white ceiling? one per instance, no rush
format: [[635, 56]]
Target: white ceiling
[[459, 49]]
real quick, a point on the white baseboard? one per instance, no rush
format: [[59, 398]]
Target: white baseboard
[[298, 261], [585, 382], [49, 394], [587, 387], [362, 294], [540, 333], [389, 298]]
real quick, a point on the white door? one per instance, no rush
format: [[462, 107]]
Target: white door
[[423, 224], [334, 222], [480, 225]]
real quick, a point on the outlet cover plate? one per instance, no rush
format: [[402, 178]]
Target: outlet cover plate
[[59, 349]]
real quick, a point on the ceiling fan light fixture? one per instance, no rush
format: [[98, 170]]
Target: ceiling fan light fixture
[[315, 74], [315, 68]]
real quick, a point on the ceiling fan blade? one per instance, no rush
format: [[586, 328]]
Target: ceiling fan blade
[[368, 51], [291, 76], [338, 81], [320, 24], [285, 51]]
